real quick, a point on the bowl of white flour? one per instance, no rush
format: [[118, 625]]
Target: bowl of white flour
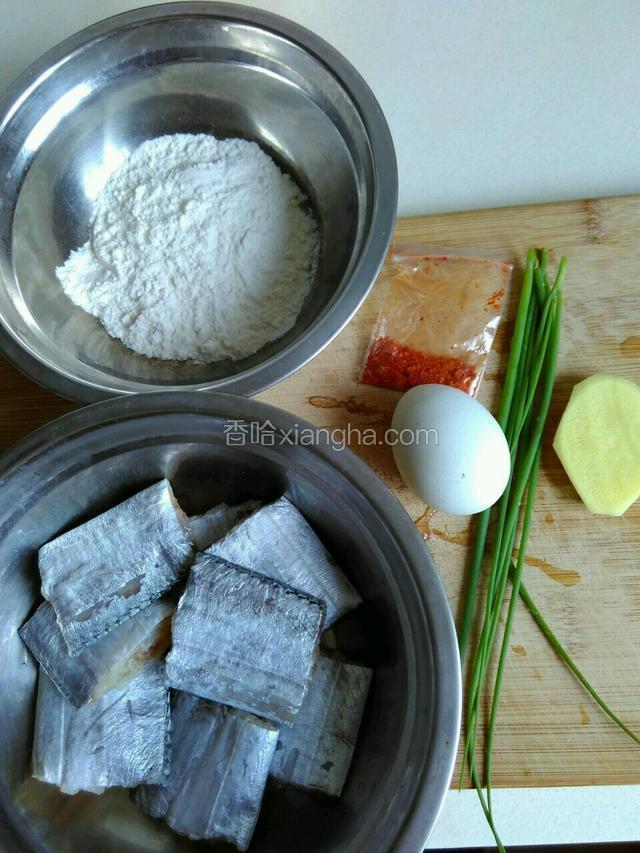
[[196, 197]]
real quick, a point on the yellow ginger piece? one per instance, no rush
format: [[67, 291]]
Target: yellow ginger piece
[[598, 443]]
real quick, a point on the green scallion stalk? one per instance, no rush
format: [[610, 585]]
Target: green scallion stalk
[[505, 404], [533, 347], [516, 578], [508, 519], [566, 658], [523, 412], [524, 473]]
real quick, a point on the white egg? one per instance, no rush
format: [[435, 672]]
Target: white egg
[[450, 451]]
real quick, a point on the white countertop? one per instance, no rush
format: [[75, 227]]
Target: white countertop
[[490, 103]]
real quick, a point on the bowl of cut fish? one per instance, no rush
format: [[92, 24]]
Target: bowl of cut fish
[[195, 196], [214, 642]]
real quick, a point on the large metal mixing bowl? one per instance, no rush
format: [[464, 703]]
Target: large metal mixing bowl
[[89, 460], [69, 121]]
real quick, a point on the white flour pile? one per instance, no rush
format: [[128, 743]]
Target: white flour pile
[[199, 249]]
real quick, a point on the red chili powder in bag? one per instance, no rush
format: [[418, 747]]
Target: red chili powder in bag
[[437, 323], [393, 365]]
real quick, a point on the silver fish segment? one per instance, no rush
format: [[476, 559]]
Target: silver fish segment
[[220, 761], [316, 752], [277, 541], [108, 663], [103, 572], [119, 740], [154, 799], [244, 640], [217, 521]]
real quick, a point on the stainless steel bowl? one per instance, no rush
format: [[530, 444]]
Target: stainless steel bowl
[[66, 124], [85, 462]]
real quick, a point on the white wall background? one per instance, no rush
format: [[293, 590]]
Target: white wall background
[[490, 102]]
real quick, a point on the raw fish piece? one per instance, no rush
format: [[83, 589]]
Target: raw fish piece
[[217, 521], [101, 573], [220, 761], [277, 541], [119, 740], [316, 752], [108, 663], [154, 799], [244, 640]]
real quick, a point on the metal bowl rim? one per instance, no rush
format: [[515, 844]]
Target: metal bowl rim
[[385, 196]]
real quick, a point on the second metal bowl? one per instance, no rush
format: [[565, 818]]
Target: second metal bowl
[[68, 122], [75, 467]]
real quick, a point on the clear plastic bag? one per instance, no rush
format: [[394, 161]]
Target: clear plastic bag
[[438, 320]]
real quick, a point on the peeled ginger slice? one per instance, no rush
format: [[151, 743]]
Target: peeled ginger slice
[[598, 442]]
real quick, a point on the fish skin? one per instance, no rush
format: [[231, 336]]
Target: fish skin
[[277, 541], [104, 571], [244, 640], [79, 677], [220, 762], [118, 740], [315, 753], [218, 521]]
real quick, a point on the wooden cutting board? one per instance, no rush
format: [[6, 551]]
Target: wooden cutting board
[[583, 571]]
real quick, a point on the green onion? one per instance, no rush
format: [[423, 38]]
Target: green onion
[[524, 408], [541, 348], [505, 404], [516, 579], [566, 658]]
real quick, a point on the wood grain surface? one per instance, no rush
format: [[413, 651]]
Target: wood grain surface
[[583, 571]]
